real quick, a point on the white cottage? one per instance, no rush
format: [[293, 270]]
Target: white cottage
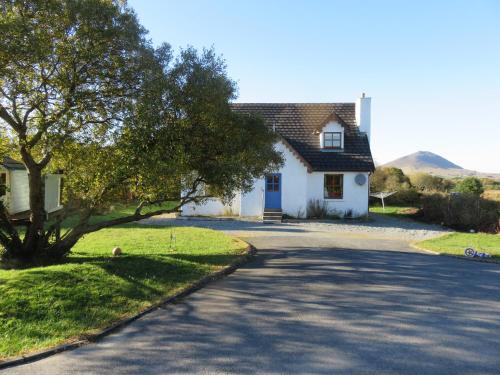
[[14, 190], [326, 147]]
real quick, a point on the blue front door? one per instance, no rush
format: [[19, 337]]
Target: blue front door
[[273, 190]]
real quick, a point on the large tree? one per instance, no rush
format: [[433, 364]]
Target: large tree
[[82, 90]]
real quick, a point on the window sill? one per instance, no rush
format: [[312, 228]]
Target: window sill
[[334, 199], [332, 149]]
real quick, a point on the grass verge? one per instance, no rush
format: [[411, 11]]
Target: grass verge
[[45, 306], [456, 243], [394, 210]]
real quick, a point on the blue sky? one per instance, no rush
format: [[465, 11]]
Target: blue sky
[[432, 68]]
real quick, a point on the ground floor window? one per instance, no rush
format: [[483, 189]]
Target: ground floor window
[[334, 186]]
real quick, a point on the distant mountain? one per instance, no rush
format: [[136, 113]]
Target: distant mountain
[[429, 162], [422, 160]]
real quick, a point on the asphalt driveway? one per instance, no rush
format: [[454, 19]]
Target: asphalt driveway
[[317, 300]]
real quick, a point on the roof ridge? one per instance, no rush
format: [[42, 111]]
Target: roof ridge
[[10, 163], [294, 103]]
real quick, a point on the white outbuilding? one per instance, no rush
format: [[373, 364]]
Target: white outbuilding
[[14, 189]]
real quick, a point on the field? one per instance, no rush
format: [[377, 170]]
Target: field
[[493, 195]]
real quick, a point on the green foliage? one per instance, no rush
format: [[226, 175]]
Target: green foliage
[[393, 179], [7, 148], [193, 136], [70, 76], [84, 91], [405, 197], [470, 185], [456, 243], [45, 306], [389, 179], [461, 211], [429, 183]]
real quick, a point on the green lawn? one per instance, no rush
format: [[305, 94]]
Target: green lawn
[[456, 243], [394, 210], [45, 306]]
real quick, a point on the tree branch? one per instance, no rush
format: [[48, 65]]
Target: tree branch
[[4, 114], [72, 236]]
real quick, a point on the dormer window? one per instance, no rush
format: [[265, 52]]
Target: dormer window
[[331, 137], [332, 140]]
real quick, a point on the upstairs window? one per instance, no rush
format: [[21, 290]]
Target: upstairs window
[[334, 186], [332, 140], [3, 184]]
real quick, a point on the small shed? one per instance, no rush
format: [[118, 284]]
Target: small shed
[[14, 188]]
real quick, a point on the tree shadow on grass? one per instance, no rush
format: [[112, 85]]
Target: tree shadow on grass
[[210, 260], [86, 293]]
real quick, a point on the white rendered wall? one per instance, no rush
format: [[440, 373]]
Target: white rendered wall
[[297, 188], [19, 191], [18, 197], [363, 115], [213, 207], [293, 193], [252, 202], [293, 184], [52, 193], [293, 188], [355, 197]]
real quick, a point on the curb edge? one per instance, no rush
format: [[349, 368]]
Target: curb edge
[[245, 258]]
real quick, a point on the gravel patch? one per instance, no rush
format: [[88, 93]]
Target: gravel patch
[[381, 226]]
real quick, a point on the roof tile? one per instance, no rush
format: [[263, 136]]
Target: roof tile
[[297, 122]]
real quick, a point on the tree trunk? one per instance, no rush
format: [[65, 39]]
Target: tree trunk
[[34, 241]]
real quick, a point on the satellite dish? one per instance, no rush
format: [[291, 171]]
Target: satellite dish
[[360, 179]]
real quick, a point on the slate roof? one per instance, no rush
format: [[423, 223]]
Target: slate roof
[[297, 124], [10, 163]]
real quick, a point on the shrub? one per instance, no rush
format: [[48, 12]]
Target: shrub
[[389, 179], [427, 182], [470, 185], [404, 197], [317, 209], [461, 211]]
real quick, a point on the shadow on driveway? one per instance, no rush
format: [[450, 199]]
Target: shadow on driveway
[[318, 311]]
